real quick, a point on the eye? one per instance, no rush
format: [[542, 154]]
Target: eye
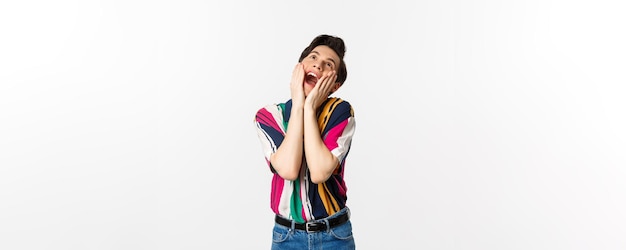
[[330, 65], [313, 57]]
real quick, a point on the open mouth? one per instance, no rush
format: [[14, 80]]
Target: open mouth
[[311, 78]]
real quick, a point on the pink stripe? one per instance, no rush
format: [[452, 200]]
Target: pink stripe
[[342, 190], [334, 134], [277, 191], [263, 117]]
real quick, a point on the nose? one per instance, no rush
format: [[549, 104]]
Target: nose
[[316, 65]]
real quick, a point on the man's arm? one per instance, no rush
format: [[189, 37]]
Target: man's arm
[[287, 159], [319, 159]]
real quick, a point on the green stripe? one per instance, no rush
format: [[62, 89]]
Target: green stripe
[[281, 107], [296, 203]]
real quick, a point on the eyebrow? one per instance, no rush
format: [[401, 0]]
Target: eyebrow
[[330, 59]]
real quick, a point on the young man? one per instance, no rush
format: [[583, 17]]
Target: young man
[[305, 141]]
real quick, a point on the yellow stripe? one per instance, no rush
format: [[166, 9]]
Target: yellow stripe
[[327, 110], [330, 204]]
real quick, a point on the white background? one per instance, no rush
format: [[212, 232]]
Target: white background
[[480, 124]]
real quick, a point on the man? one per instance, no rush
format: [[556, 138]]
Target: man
[[306, 141]]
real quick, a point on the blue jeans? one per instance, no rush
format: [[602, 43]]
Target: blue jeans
[[336, 238]]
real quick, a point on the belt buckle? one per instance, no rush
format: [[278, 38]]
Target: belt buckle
[[314, 224], [307, 227]]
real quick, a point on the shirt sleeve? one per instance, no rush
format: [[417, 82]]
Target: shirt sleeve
[[270, 130], [338, 125]]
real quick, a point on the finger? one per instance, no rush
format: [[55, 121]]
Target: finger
[[300, 69], [298, 74], [328, 85], [332, 84], [328, 76], [321, 80]]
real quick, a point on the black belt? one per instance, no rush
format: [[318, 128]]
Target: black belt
[[318, 225]]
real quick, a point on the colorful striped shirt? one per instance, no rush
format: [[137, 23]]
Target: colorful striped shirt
[[302, 200]]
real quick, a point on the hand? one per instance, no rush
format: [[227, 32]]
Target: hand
[[322, 89], [297, 85]]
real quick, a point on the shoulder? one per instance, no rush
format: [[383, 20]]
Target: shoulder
[[273, 109], [340, 105]]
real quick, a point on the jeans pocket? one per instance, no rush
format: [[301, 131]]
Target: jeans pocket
[[280, 234], [343, 231]]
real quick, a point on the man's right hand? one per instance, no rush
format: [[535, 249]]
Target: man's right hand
[[297, 86]]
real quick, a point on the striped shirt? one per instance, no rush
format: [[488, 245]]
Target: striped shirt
[[302, 200]]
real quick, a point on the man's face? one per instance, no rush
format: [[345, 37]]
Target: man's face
[[322, 59]]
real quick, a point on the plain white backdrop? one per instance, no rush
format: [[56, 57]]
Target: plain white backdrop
[[480, 124]]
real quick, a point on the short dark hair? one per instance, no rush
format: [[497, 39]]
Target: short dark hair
[[337, 45]]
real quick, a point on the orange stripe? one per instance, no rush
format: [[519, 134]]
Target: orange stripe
[[330, 204], [327, 110]]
